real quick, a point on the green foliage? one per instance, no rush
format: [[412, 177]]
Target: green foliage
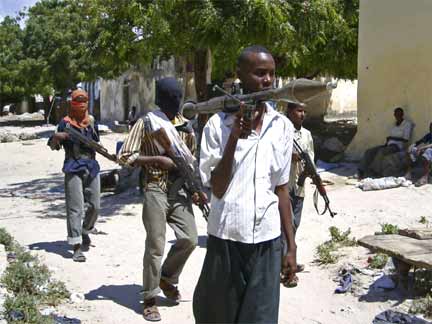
[[65, 41], [27, 278], [29, 283], [378, 261], [422, 306], [27, 306], [423, 220], [55, 293], [6, 239], [387, 228], [326, 252], [341, 237]]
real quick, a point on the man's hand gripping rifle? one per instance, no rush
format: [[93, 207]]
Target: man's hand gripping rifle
[[192, 179], [90, 143], [310, 171]]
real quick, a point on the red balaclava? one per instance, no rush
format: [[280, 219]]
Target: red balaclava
[[78, 114]]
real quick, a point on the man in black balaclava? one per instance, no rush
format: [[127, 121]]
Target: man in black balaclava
[[168, 97], [163, 201]]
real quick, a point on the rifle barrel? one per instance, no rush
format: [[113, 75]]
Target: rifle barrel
[[295, 91]]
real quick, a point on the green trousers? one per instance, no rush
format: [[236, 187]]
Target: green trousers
[[82, 204], [158, 210]]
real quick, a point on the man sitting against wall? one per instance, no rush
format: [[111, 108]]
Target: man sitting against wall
[[381, 160]]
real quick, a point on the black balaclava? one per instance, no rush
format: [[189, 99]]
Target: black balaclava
[[168, 95]]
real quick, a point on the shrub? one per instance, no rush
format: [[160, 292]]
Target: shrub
[[55, 292], [22, 308], [422, 306], [6, 239], [28, 277], [378, 261], [387, 228], [326, 251]]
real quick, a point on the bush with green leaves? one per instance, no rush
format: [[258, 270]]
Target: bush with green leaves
[[422, 306], [6, 239], [423, 220], [30, 285], [326, 252], [25, 277], [23, 308], [388, 228], [378, 261]]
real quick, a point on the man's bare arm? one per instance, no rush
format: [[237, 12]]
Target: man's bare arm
[[289, 260], [159, 161]]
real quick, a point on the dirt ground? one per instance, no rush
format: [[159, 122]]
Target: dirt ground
[[33, 211]]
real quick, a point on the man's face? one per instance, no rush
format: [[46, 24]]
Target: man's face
[[296, 115], [257, 73], [398, 116]]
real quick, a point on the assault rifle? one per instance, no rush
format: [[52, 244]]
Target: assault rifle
[[296, 91], [187, 171], [310, 171], [90, 143]]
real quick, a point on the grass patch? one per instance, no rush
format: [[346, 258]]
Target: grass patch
[[422, 306], [326, 252], [378, 261], [388, 228], [423, 220], [23, 308], [30, 285], [6, 239]]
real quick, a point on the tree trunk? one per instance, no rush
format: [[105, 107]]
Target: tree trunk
[[202, 71]]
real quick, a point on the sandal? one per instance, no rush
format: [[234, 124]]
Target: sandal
[[170, 291], [290, 281], [300, 267], [422, 181], [151, 312], [78, 256]]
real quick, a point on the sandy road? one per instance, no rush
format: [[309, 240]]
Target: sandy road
[[32, 209]]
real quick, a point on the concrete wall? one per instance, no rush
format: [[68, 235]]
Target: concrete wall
[[343, 100], [339, 102], [395, 68], [133, 88]]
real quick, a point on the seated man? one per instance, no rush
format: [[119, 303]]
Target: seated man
[[421, 152], [371, 165]]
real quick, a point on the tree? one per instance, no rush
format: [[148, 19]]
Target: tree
[[11, 52], [56, 39], [65, 41], [307, 37]]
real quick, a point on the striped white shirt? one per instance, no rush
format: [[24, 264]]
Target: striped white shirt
[[248, 212]]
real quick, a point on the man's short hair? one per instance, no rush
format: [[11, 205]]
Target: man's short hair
[[243, 57], [293, 105], [398, 109]]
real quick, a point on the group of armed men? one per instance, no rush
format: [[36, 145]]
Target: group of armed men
[[251, 169]]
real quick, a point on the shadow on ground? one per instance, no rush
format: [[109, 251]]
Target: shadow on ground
[[125, 295], [61, 248], [398, 295], [47, 194]]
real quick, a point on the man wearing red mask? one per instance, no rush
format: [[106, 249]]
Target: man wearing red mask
[[82, 183]]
